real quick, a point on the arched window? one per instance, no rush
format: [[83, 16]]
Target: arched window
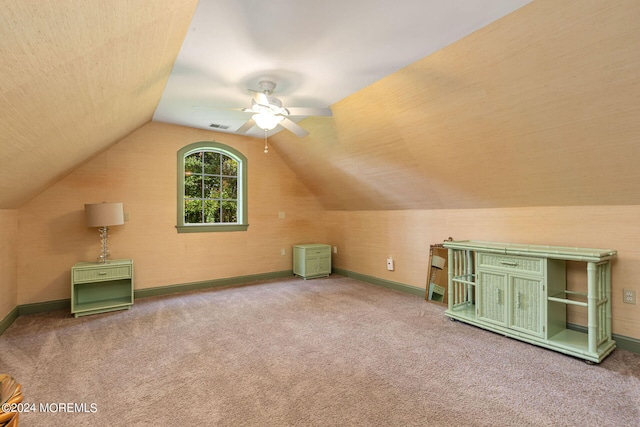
[[212, 188]]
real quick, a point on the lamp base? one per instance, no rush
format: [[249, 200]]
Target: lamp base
[[104, 237]]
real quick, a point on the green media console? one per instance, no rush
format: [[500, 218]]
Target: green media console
[[101, 287], [521, 291]]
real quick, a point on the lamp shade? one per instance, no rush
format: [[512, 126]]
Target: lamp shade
[[104, 214]]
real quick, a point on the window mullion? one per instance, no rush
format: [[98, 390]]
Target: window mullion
[[204, 220]]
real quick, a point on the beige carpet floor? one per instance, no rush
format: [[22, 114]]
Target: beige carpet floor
[[323, 352]]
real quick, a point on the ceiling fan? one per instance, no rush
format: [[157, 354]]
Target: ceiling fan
[[268, 111]]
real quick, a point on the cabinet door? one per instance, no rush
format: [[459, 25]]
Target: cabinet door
[[492, 297], [311, 266], [527, 313], [324, 266]]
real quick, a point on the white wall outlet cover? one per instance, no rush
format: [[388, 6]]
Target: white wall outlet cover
[[335, 249], [390, 264], [629, 296]]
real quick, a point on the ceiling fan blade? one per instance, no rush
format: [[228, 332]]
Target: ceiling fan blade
[[302, 111], [259, 97], [293, 127], [246, 126]]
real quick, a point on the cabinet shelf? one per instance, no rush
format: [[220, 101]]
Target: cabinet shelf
[[106, 304], [464, 311], [571, 338], [578, 342], [466, 279], [520, 291], [570, 297]]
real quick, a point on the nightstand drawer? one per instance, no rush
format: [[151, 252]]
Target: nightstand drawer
[[511, 263], [107, 272], [314, 253]]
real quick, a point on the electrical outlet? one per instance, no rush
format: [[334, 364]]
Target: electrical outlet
[[629, 296], [390, 264], [335, 249], [283, 251]]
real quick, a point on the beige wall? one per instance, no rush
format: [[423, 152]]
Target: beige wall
[[140, 171], [366, 238], [8, 261]]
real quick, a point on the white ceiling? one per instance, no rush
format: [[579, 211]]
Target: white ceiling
[[317, 52]]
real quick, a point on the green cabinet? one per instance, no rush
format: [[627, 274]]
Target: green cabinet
[[311, 261], [520, 291], [101, 287]]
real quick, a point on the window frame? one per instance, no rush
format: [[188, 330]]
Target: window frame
[[242, 215]]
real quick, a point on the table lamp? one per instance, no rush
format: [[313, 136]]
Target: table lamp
[[103, 215]]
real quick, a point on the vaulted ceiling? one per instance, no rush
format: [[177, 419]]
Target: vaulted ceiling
[[316, 52], [537, 108]]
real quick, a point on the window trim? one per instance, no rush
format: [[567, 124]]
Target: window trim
[[243, 222]]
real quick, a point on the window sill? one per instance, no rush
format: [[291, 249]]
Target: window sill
[[208, 228]]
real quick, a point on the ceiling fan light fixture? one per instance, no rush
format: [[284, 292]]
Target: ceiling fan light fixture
[[267, 121]]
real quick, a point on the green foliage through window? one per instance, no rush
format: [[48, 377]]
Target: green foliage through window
[[210, 188]]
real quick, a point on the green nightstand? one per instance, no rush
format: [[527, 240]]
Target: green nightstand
[[311, 261], [101, 287]]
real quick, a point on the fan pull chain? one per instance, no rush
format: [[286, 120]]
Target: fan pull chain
[[266, 147]]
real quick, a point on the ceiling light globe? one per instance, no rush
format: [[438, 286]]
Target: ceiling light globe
[[267, 121]]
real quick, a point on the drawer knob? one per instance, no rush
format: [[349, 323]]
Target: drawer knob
[[102, 273], [511, 263]]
